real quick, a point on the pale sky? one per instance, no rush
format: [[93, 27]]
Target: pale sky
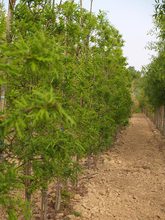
[[133, 19]]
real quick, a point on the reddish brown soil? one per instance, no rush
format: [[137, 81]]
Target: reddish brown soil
[[129, 183]]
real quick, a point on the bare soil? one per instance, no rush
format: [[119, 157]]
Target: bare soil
[[129, 183]]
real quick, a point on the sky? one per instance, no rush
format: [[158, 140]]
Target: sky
[[133, 19]]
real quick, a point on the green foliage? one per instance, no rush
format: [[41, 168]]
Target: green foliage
[[154, 75], [77, 214], [160, 17], [68, 89], [155, 81], [9, 183], [2, 23]]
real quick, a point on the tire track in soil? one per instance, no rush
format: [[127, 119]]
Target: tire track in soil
[[129, 183]]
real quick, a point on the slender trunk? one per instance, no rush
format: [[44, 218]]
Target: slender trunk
[[66, 38], [78, 50], [164, 122], [2, 99], [89, 161], [8, 24], [54, 2], [81, 7], [91, 6], [11, 5], [77, 172], [88, 36], [1, 140], [44, 204], [27, 172], [27, 183], [81, 4], [58, 196], [95, 159], [162, 118]]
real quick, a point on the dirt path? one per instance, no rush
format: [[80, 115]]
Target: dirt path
[[130, 181]]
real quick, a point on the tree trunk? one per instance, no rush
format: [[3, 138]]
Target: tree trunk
[[88, 36], [44, 204], [77, 172], [54, 2], [11, 5], [58, 196], [1, 140], [91, 6], [27, 183], [27, 173], [164, 122], [81, 4], [2, 99]]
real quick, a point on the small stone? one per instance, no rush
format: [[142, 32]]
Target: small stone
[[77, 197]]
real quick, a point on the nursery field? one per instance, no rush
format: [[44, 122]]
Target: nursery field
[[66, 93], [129, 182]]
